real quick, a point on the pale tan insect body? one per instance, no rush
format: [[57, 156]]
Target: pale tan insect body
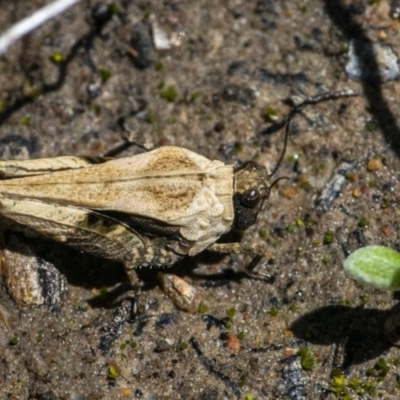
[[172, 185]]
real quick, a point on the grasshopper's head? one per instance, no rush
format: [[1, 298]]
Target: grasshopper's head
[[252, 188]]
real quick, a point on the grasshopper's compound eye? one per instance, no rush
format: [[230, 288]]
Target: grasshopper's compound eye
[[250, 198]]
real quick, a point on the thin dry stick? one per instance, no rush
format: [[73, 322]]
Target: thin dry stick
[[33, 21]]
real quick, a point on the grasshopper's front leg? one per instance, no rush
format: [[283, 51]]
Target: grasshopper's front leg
[[239, 248], [254, 249]]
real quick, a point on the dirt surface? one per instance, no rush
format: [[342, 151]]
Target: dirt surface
[[83, 81]]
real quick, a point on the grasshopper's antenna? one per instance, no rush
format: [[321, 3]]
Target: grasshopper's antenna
[[285, 141], [126, 144], [297, 108]]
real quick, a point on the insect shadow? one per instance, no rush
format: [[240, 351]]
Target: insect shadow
[[358, 330]]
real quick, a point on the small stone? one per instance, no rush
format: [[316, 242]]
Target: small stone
[[290, 192], [356, 193], [233, 344], [374, 165]]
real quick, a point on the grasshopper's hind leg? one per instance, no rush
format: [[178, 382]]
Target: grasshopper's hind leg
[[157, 253], [154, 253]]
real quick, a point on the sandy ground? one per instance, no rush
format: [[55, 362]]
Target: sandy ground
[[98, 73]]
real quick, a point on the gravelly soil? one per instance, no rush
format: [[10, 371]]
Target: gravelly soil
[[220, 90]]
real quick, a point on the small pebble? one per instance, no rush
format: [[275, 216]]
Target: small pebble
[[233, 344], [374, 165], [290, 192]]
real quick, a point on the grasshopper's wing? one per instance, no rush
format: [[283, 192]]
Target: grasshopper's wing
[[172, 185], [82, 229], [23, 168]]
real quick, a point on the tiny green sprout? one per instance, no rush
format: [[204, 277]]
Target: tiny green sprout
[[96, 110], [249, 397], [355, 383], [183, 346], [328, 237], [202, 308], [370, 126], [273, 311], [338, 385], [306, 185], [159, 66], [299, 223], [307, 358], [379, 370], [243, 378], [104, 292], [228, 324], [14, 341], [26, 121], [326, 260], [272, 111], [105, 74], [113, 8], [290, 228], [364, 299], [370, 388], [112, 372], [57, 58], [385, 205], [170, 94], [271, 114], [263, 234], [363, 223], [382, 367], [196, 94], [377, 266], [151, 117], [309, 224], [241, 335], [237, 148], [321, 167], [231, 313]]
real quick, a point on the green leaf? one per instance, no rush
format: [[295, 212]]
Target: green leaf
[[377, 266]]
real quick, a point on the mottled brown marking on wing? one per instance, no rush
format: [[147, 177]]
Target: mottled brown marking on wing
[[173, 159], [173, 194]]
